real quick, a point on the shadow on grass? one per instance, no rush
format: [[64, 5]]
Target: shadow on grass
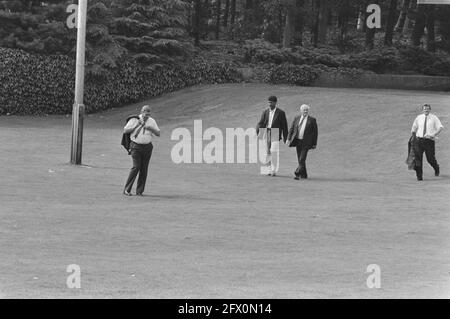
[[329, 179], [178, 197], [436, 179]]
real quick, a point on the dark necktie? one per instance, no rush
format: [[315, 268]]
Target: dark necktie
[[139, 130], [425, 126]]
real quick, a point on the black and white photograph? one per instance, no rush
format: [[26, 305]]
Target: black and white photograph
[[225, 150]]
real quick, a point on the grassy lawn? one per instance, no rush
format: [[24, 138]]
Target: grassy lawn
[[224, 231]]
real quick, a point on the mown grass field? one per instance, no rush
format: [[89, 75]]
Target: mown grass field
[[224, 231]]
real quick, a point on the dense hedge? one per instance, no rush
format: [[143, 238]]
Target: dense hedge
[[405, 59], [305, 75], [37, 84]]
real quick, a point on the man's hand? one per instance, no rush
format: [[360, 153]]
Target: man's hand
[[313, 147], [154, 131]]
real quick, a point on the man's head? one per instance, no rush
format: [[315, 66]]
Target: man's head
[[304, 109], [426, 109], [145, 111], [272, 102]]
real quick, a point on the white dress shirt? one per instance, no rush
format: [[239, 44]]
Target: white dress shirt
[[433, 125], [301, 131], [271, 115], [145, 135]]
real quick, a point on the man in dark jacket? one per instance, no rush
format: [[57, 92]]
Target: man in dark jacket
[[273, 118], [303, 135]]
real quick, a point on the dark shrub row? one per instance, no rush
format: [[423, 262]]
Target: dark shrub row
[[37, 84], [401, 60], [305, 75]]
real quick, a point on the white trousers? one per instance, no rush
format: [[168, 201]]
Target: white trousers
[[272, 154]]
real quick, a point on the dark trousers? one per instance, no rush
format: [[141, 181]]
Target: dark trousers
[[141, 154], [302, 152], [425, 145]]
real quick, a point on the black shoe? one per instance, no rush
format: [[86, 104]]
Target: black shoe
[[127, 193], [304, 177], [419, 178], [297, 178], [436, 172], [139, 194]]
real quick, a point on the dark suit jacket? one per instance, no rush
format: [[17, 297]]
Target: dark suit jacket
[[412, 147], [279, 121], [309, 136]]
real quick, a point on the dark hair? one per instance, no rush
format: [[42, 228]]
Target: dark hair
[[272, 98], [426, 105]]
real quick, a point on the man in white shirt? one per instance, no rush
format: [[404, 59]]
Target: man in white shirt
[[426, 128], [141, 130]]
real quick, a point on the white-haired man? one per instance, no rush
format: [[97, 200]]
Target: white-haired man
[[303, 136], [142, 129]]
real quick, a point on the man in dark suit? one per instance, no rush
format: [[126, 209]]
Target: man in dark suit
[[303, 135], [271, 118]]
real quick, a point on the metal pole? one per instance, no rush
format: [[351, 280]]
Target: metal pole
[[78, 106]]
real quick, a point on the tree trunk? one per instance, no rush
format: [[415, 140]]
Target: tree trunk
[[419, 25], [206, 30], [218, 7], [390, 23], [233, 11], [343, 19], [281, 20], [226, 13], [324, 11], [288, 29], [408, 22], [370, 32], [315, 27], [360, 23], [299, 22], [431, 40], [402, 17], [197, 21]]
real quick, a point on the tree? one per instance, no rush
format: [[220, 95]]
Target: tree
[[430, 25], [443, 27], [299, 22], [402, 17], [218, 12], [324, 12], [150, 30], [315, 7], [35, 28], [289, 27], [390, 23], [408, 21], [226, 13], [370, 32], [419, 25], [233, 11], [344, 13], [197, 21]]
